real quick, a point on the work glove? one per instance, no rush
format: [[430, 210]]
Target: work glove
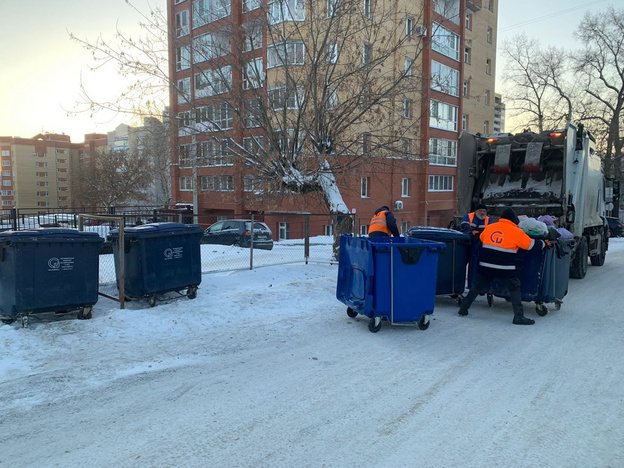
[[549, 244]]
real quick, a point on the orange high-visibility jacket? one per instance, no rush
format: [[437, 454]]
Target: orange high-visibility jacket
[[379, 223]]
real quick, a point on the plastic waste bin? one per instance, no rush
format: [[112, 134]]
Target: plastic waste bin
[[391, 278], [544, 275], [159, 258], [51, 270], [452, 260]]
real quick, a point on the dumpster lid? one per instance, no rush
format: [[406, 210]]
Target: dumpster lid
[[437, 233], [47, 234], [157, 229]]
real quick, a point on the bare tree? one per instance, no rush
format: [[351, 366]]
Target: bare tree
[[600, 67]]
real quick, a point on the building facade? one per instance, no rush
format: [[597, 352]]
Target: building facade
[[244, 72]]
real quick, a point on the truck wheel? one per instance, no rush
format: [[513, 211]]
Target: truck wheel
[[578, 265], [598, 260]]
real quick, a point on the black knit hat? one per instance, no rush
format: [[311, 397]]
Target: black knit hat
[[480, 206], [511, 215]]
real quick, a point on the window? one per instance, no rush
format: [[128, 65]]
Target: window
[[183, 57], [405, 147], [439, 183], [213, 45], [184, 90], [364, 184], [216, 117], [212, 82], [43, 194], [332, 6], [409, 26], [466, 88], [6, 182], [281, 97], [253, 35], [467, 54], [285, 53], [252, 183], [488, 66], [207, 11], [254, 74], [464, 122], [408, 66], [365, 143], [367, 51], [491, 5], [447, 8], [254, 145], [252, 113], [178, 1], [286, 10], [329, 230], [7, 193], [363, 229], [332, 98], [489, 34], [367, 9], [445, 42], [332, 52], [186, 183], [284, 231], [182, 23], [469, 21], [217, 183], [407, 108], [43, 203], [443, 116], [486, 127], [6, 173], [249, 5], [405, 187], [41, 174], [6, 162], [442, 152], [444, 79], [184, 158], [486, 97], [215, 152]]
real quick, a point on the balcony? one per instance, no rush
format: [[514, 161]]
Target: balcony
[[474, 5]]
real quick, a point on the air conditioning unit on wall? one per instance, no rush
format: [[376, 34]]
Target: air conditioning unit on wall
[[421, 30], [398, 205]]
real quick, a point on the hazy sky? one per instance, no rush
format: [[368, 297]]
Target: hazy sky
[[41, 68]]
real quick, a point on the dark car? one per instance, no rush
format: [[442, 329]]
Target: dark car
[[238, 232], [616, 228]]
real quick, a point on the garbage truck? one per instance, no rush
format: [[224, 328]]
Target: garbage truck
[[556, 173]]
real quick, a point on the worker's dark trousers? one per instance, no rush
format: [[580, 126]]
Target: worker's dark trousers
[[482, 285]]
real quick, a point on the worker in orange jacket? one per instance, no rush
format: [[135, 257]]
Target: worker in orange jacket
[[474, 223], [383, 224], [497, 259]]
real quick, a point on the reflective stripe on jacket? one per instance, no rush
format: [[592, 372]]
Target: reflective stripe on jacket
[[478, 224], [501, 242], [378, 223]]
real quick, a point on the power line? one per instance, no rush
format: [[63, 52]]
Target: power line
[[551, 15]]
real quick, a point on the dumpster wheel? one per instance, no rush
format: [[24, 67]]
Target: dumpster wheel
[[558, 305], [351, 313], [541, 309], [490, 299], [25, 321], [424, 322], [85, 314], [191, 293], [8, 321], [375, 324], [151, 301]]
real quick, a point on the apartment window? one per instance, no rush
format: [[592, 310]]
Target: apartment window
[[409, 26], [489, 34], [491, 5], [252, 183], [442, 152], [444, 79], [6, 182], [443, 116], [43, 203], [7, 193], [469, 21], [213, 45], [405, 187], [286, 10], [447, 8], [408, 66], [217, 183], [488, 66], [6, 173], [467, 54], [254, 145], [186, 183], [445, 41], [404, 227], [332, 6], [367, 9], [254, 74], [367, 51], [283, 97], [329, 230], [7, 202], [407, 108], [184, 90], [42, 184], [183, 57], [365, 143], [213, 82], [41, 174], [215, 152], [486, 97], [486, 127], [253, 35], [439, 183], [466, 88], [249, 5], [464, 122], [332, 98], [284, 231], [364, 187], [285, 53], [405, 147], [182, 23], [206, 11], [363, 229], [6, 162], [43, 194], [6, 153], [178, 1], [253, 113], [332, 52]]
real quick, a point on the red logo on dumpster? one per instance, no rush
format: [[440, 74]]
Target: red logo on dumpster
[[496, 237]]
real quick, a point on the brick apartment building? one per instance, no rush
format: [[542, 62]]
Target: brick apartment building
[[419, 185]]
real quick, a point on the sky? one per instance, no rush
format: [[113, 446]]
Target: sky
[[265, 369], [42, 68]]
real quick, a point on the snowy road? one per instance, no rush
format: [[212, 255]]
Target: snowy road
[[265, 369]]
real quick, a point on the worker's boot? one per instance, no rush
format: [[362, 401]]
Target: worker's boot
[[522, 320], [463, 312]]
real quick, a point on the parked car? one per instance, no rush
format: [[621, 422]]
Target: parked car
[[238, 232], [616, 228]]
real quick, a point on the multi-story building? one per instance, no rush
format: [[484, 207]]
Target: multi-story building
[[481, 22], [241, 71], [499, 114]]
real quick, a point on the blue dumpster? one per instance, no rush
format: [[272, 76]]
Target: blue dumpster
[[51, 270], [159, 258], [543, 274], [452, 261], [390, 278]]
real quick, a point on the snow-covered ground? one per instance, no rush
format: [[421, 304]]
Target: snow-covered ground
[[265, 369]]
